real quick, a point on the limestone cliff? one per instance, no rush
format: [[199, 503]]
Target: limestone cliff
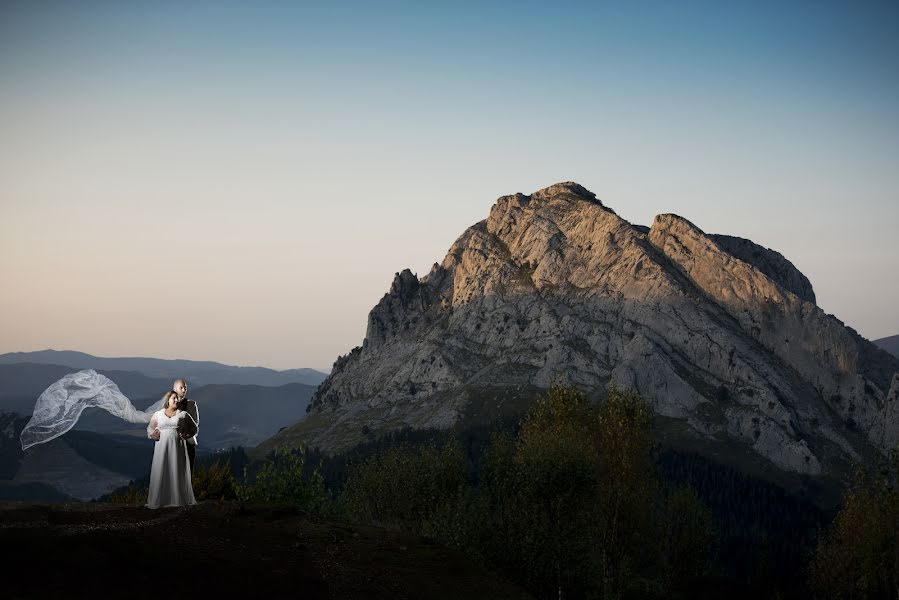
[[720, 334]]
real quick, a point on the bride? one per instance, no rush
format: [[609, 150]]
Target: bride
[[170, 475]]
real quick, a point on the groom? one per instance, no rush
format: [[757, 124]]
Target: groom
[[180, 388]]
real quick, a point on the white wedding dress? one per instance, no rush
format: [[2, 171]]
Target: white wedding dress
[[170, 476]]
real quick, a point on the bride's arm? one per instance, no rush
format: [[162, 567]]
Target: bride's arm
[[151, 428]]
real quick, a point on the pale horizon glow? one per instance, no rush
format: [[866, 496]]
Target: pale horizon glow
[[239, 183]]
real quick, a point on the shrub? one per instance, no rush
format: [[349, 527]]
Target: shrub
[[133, 494], [214, 482], [418, 489], [281, 480]]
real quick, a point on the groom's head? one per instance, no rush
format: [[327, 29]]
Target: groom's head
[[180, 388]]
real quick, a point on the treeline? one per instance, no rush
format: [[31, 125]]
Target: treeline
[[575, 501]]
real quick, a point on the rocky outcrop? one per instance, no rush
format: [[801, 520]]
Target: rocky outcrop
[[769, 262], [720, 334]]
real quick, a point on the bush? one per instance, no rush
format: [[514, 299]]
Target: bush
[[281, 480], [418, 489], [133, 494], [214, 482]]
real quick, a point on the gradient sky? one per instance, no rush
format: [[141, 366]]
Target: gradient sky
[[239, 182]]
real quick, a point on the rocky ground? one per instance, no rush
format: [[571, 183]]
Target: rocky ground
[[223, 549]]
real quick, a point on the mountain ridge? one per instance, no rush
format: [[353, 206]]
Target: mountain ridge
[[889, 344], [197, 372], [716, 331]]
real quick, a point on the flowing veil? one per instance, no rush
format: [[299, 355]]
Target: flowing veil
[[59, 406]]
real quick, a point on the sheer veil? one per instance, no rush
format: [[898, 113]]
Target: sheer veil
[[59, 406]]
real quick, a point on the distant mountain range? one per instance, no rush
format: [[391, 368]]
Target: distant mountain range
[[196, 373], [21, 384], [890, 344]]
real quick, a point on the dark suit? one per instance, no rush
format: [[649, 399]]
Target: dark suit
[[191, 407]]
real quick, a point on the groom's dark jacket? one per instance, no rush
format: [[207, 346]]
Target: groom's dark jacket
[[191, 408]]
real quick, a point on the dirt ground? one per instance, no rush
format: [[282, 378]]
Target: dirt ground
[[223, 550]]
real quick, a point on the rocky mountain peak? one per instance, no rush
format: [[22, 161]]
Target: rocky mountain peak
[[404, 284], [720, 334], [565, 188]]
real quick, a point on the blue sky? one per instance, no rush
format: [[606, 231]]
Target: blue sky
[[276, 163]]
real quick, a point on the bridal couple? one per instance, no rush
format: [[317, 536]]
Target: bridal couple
[[173, 427]]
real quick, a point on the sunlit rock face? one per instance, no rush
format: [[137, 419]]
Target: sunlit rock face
[[720, 334]]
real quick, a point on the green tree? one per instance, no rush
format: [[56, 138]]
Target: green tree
[[569, 505], [626, 532], [539, 496], [858, 556]]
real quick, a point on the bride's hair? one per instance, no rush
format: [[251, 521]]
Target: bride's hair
[[168, 396]]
